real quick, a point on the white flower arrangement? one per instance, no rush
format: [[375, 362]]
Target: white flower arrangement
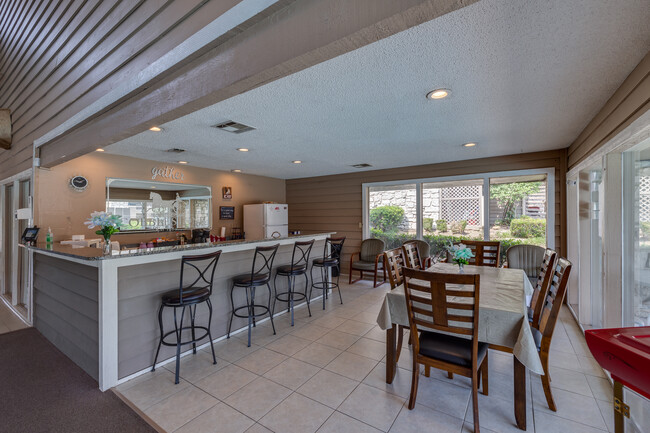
[[460, 254]]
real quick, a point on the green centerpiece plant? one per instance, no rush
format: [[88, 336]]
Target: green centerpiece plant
[[460, 254], [108, 224]]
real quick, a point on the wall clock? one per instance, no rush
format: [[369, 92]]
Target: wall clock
[[78, 183]]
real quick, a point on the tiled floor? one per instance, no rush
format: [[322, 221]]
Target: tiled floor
[[327, 375], [8, 320]]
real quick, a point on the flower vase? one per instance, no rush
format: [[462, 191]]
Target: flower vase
[[107, 245], [461, 268]]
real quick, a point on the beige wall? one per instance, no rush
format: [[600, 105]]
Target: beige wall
[[630, 101], [334, 203], [64, 210]]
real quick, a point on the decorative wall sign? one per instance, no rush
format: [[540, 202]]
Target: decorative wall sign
[[167, 173], [227, 192], [226, 212], [78, 183]]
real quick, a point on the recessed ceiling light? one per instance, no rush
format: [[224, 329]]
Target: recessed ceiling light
[[438, 94], [182, 162], [155, 129], [471, 144], [242, 149], [99, 149], [297, 162], [153, 187], [236, 170]]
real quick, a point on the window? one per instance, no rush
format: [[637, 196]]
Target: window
[[512, 207], [187, 214]]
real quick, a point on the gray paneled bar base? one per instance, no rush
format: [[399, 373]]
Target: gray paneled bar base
[[102, 311]]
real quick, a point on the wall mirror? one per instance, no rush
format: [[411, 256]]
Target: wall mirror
[[159, 206]]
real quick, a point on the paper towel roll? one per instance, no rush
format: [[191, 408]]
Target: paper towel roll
[[223, 232]]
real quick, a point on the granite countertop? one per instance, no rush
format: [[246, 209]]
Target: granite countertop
[[91, 254]]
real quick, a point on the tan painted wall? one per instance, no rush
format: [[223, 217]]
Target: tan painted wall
[[630, 101], [64, 210], [334, 203]]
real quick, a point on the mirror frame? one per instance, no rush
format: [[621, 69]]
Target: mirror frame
[[110, 180]]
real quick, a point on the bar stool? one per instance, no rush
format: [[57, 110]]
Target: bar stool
[[298, 266], [191, 295], [260, 275], [331, 260]]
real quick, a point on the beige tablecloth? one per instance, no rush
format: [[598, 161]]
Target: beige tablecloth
[[502, 310]]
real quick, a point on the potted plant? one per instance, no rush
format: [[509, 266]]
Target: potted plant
[[108, 225]]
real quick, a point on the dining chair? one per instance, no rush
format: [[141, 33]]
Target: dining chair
[[544, 277], [486, 253], [543, 329], [417, 254], [443, 318], [526, 257], [394, 263], [370, 260]]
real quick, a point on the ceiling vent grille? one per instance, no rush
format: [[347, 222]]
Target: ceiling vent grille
[[175, 150], [363, 165], [234, 127]]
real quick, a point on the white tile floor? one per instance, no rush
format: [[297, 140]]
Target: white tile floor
[[8, 320], [326, 374]]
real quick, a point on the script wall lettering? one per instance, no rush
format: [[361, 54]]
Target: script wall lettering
[[167, 173]]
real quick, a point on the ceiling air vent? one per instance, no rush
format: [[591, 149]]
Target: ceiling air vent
[[364, 165], [234, 127], [175, 150]]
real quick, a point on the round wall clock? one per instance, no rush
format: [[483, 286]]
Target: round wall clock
[[78, 183]]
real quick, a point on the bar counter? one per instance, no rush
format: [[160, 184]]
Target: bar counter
[[102, 310]]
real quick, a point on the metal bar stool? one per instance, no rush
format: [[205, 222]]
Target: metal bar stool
[[190, 296], [331, 260], [260, 275], [298, 266]]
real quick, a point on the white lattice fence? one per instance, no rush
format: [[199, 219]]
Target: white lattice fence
[[458, 203], [644, 198]]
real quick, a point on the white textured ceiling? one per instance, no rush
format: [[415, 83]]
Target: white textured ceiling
[[525, 76]]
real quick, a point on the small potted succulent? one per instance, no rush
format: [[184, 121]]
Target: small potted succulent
[[108, 225], [460, 254]]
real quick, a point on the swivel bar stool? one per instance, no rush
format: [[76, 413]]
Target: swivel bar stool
[[190, 296], [298, 266], [260, 275], [331, 260]]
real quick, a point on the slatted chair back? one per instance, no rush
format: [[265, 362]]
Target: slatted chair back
[[263, 260], [412, 256], [486, 253], [203, 275], [300, 255], [554, 298], [544, 278], [394, 262], [442, 302]]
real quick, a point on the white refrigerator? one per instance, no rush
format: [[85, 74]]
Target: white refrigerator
[[266, 221]]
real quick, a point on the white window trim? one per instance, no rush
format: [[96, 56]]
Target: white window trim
[[485, 177]]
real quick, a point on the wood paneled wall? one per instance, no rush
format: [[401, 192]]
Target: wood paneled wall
[[59, 56], [334, 203], [630, 101]]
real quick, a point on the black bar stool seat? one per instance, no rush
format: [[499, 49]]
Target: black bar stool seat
[[331, 260], [260, 275], [188, 296], [298, 266]]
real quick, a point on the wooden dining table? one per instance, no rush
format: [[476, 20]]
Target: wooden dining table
[[503, 323]]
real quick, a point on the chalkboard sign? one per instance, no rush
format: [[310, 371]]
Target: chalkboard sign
[[226, 212]]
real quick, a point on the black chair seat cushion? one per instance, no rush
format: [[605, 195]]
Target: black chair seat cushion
[[288, 270], [537, 336], [246, 280], [326, 262], [366, 266], [449, 348], [174, 298]]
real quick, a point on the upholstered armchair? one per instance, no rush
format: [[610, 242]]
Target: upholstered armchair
[[369, 259], [526, 257]]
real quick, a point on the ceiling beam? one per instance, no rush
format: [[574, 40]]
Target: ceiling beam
[[287, 40]]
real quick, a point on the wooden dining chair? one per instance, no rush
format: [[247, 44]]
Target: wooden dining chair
[[431, 312], [394, 263], [543, 329], [416, 254], [544, 277], [486, 253]]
